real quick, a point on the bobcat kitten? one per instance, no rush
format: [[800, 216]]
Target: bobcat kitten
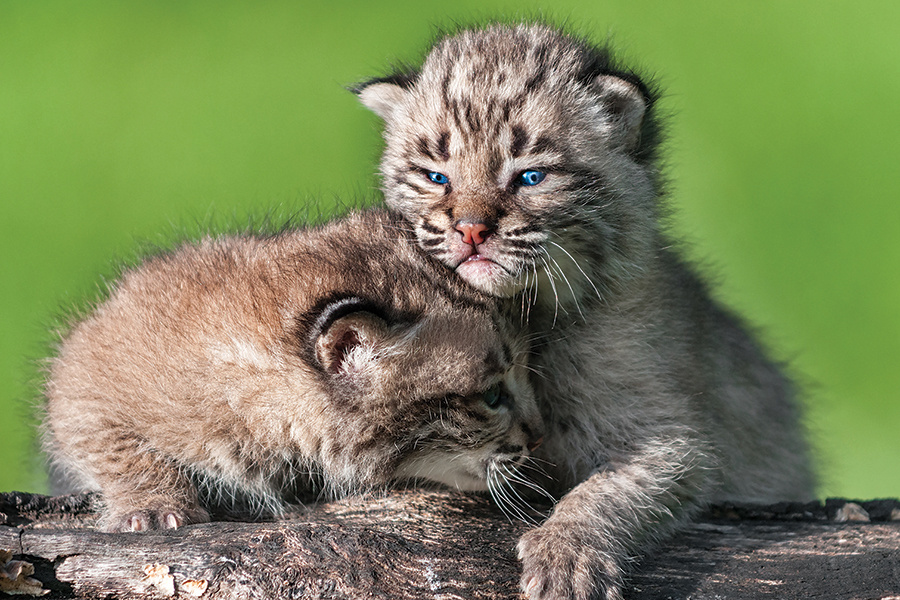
[[261, 369], [525, 160]]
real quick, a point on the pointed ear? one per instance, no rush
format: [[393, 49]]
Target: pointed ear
[[627, 104], [381, 97], [337, 348]]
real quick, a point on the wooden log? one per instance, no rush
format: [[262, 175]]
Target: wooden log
[[431, 544]]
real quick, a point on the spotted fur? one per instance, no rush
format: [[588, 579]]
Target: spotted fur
[[251, 371], [655, 398]]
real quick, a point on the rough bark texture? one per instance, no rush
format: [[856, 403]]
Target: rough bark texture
[[436, 545]]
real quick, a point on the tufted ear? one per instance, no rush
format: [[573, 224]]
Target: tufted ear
[[381, 97], [627, 104], [349, 341]]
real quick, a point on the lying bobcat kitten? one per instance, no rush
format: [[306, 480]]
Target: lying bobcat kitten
[[525, 160], [260, 369]]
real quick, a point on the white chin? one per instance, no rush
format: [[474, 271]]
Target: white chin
[[459, 480], [467, 484], [439, 468], [489, 277]]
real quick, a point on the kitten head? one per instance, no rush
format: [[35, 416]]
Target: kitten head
[[523, 158], [439, 396]]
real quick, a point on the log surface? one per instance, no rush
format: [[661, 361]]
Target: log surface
[[425, 544]]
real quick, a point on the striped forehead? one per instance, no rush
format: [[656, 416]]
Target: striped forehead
[[483, 117], [492, 94], [491, 129]]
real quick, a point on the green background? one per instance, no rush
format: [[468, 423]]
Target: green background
[[123, 122]]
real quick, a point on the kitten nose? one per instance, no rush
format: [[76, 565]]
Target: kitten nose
[[534, 444], [473, 232]]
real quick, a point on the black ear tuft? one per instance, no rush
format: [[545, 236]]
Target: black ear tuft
[[345, 329], [404, 77], [383, 95]]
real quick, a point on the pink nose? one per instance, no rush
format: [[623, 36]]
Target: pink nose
[[473, 232]]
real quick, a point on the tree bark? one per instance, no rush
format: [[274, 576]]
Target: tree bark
[[426, 544]]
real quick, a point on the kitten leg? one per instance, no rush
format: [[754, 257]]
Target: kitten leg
[[143, 490], [164, 500], [581, 551]]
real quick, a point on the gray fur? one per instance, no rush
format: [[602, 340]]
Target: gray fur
[[252, 371], [655, 398]]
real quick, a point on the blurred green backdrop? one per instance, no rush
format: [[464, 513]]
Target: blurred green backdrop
[[128, 121]]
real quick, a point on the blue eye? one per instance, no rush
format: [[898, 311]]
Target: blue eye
[[531, 177], [438, 178], [495, 396]]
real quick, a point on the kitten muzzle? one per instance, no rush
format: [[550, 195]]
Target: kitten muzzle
[[488, 276]]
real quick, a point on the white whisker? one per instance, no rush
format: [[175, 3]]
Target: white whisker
[[577, 266], [549, 273], [504, 480], [562, 274]]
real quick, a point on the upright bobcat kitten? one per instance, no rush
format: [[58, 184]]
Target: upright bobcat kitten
[[262, 369], [525, 160]]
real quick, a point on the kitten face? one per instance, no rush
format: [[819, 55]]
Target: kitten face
[[466, 442], [515, 155]]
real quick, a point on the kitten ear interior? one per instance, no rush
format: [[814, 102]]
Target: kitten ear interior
[[380, 97], [625, 101], [336, 345]]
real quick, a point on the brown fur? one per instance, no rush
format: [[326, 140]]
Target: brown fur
[[254, 371], [655, 398]]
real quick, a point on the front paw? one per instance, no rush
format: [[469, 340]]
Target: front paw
[[562, 563], [152, 519]]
